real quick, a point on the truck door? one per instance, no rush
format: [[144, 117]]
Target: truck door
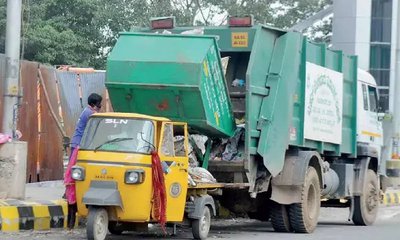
[[371, 127], [174, 152]]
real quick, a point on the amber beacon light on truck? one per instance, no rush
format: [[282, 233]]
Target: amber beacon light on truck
[[162, 23], [246, 21]]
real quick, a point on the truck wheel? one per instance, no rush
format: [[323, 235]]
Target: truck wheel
[[201, 227], [97, 224], [115, 228], [280, 218], [304, 215], [366, 205]]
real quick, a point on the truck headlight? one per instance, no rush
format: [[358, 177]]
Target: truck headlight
[[78, 173], [134, 176]]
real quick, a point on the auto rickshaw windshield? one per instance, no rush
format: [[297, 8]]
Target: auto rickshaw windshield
[[118, 135]]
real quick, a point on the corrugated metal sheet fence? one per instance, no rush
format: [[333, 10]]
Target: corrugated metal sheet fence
[[36, 122], [70, 100]]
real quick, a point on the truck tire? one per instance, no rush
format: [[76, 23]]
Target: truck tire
[[366, 206], [280, 218], [304, 215], [201, 227], [97, 224]]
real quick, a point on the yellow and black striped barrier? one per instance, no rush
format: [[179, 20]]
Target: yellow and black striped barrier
[[18, 215], [391, 198]]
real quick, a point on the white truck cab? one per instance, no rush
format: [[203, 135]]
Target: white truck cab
[[369, 126]]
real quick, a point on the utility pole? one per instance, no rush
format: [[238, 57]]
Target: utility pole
[[11, 84]]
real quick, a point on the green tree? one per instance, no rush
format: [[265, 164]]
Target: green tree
[[260, 9], [60, 31], [295, 11], [82, 32], [3, 20], [114, 17], [322, 32]]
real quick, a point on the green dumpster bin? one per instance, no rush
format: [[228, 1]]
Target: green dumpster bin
[[175, 76]]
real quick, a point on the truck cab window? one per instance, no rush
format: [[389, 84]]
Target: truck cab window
[[373, 99], [365, 97]]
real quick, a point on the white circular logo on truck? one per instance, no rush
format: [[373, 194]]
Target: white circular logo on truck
[[175, 190]]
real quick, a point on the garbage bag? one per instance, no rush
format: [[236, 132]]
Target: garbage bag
[[200, 141], [225, 62], [201, 175], [196, 31], [179, 145], [231, 149]]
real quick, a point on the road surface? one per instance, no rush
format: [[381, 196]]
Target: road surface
[[333, 225]]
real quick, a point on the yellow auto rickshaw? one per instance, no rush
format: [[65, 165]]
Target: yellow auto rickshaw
[[114, 180]]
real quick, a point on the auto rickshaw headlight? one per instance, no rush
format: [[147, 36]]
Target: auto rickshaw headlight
[[78, 173], [134, 176]]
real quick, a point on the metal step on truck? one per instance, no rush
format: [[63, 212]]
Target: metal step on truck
[[296, 124]]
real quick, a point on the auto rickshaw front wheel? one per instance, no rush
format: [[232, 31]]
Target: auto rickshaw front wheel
[[201, 227], [97, 224]]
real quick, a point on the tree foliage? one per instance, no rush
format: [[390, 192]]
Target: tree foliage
[[322, 32], [3, 21], [82, 32]]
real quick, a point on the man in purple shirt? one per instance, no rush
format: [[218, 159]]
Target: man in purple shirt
[[94, 105]]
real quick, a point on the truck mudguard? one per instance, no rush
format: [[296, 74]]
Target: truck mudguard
[[360, 172], [286, 186], [366, 150]]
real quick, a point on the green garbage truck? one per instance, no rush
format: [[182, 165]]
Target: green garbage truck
[[291, 125]]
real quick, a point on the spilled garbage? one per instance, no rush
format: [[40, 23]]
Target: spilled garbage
[[224, 149]]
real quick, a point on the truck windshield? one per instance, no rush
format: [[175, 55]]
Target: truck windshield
[[118, 135]]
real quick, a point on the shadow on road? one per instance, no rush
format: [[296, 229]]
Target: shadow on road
[[222, 229]]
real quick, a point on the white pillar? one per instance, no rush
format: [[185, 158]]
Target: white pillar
[[395, 74], [351, 31]]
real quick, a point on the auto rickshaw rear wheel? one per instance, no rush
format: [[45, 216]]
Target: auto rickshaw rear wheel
[[97, 224], [201, 227]]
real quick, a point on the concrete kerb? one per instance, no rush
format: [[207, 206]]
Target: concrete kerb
[[18, 215], [392, 195]]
